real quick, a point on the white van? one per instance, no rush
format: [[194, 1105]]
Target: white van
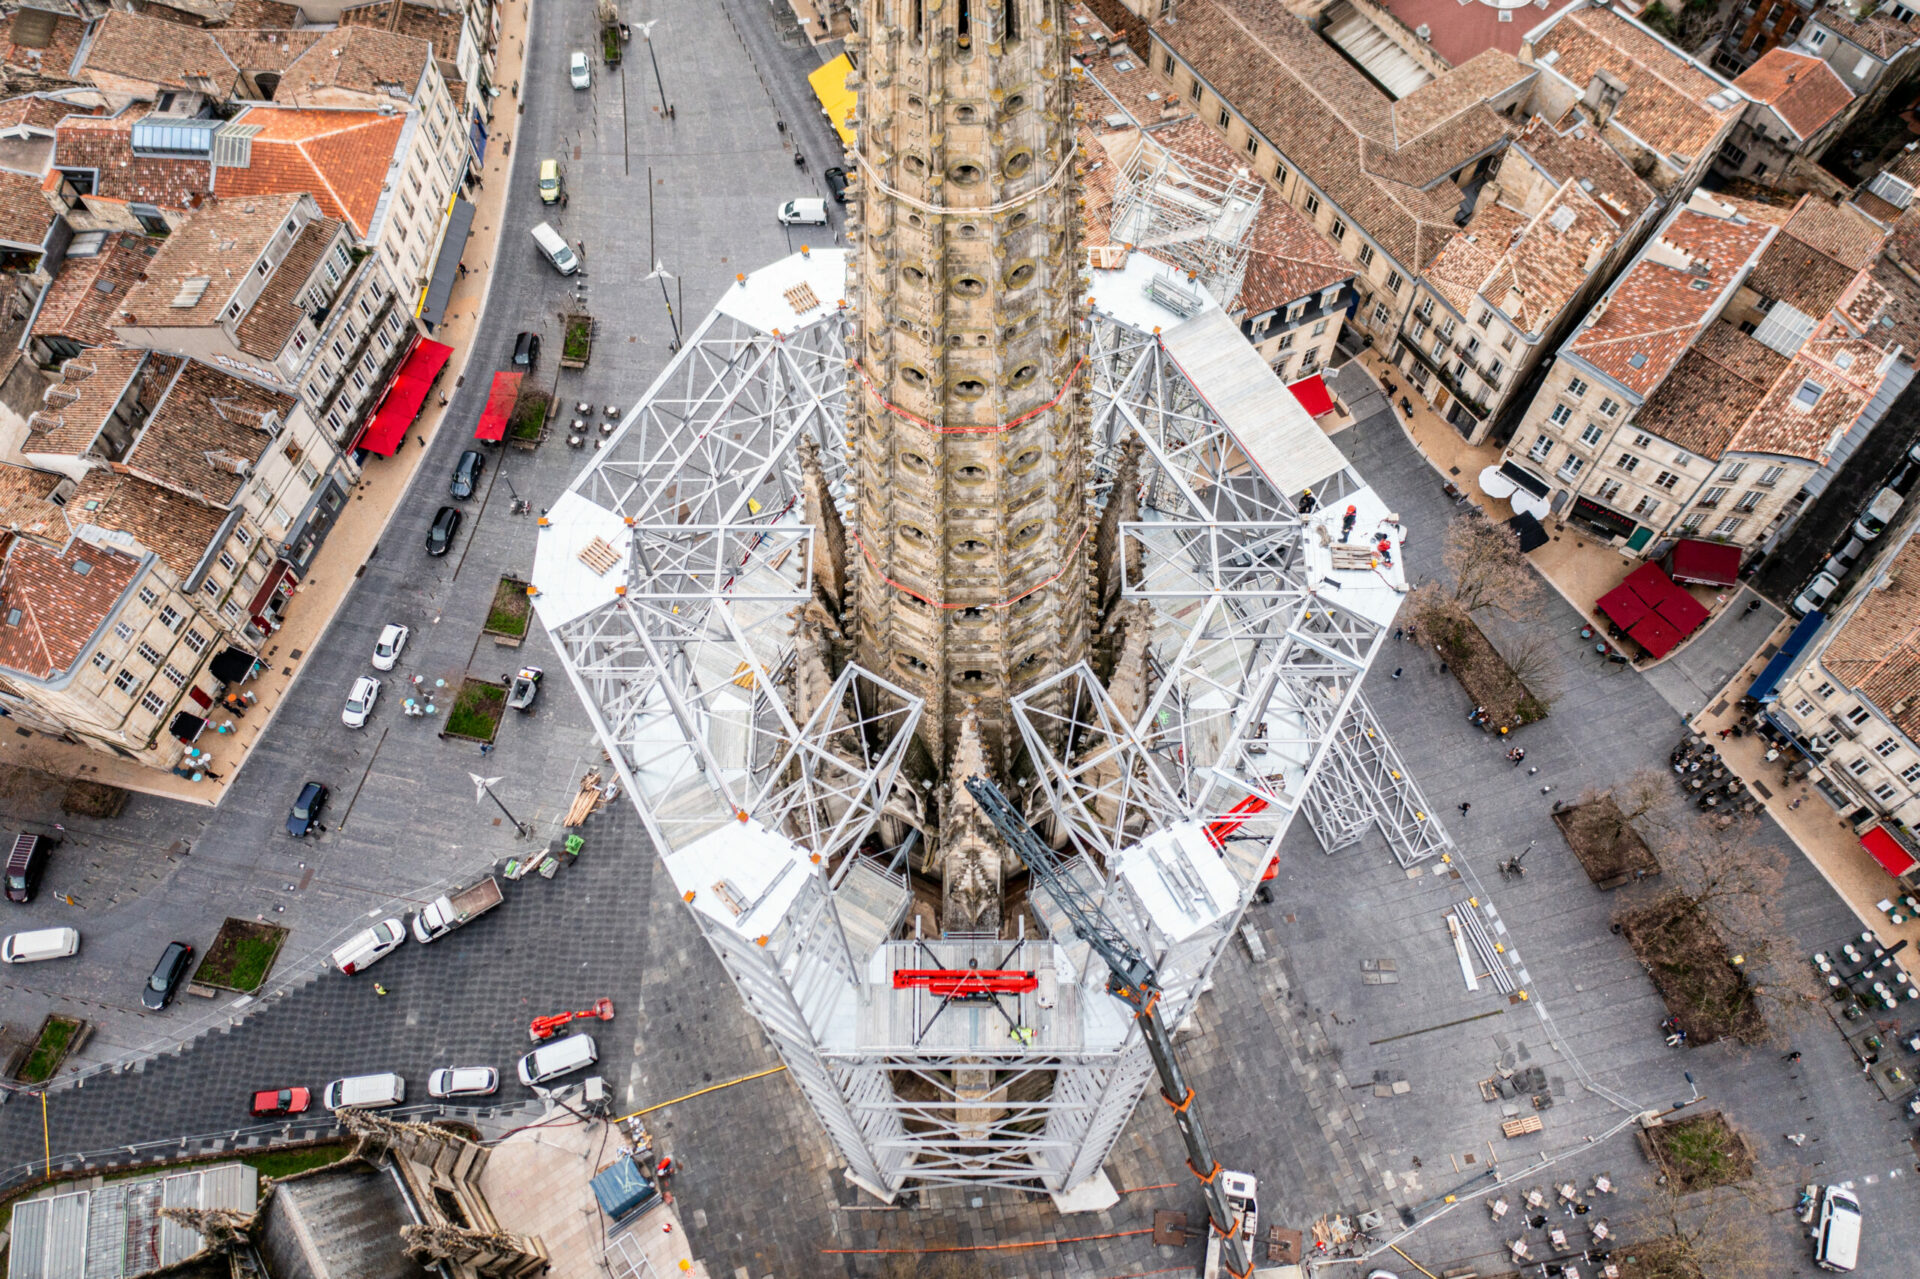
[[1836, 1239], [369, 1092], [556, 249], [561, 1057], [366, 948], [807, 211], [47, 943]]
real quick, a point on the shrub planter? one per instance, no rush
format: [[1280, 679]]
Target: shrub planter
[[1699, 1152], [92, 799], [58, 1036], [528, 425], [576, 343], [510, 614], [241, 956], [1482, 672], [475, 714], [1690, 966], [1608, 848]]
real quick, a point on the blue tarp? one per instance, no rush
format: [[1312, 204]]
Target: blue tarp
[[1768, 684], [622, 1190]]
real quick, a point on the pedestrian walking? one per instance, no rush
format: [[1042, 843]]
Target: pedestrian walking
[[1464, 806], [1792, 1056], [1399, 632], [1396, 672], [486, 748], [1725, 733], [1545, 789], [380, 990], [1796, 803]]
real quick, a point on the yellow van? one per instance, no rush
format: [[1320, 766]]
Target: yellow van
[[549, 182]]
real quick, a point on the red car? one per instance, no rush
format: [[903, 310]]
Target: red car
[[286, 1101]]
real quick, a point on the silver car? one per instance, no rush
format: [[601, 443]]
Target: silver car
[[366, 691], [464, 1081], [578, 70]]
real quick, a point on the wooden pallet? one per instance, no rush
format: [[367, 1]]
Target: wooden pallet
[[1522, 1126]]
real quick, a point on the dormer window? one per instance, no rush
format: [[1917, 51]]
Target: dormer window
[[1808, 395]]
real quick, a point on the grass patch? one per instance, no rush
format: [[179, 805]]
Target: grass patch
[[511, 609], [529, 416], [56, 1034], [1689, 963], [1701, 1151], [476, 710], [1477, 664], [241, 955], [1606, 845], [578, 341], [610, 44]]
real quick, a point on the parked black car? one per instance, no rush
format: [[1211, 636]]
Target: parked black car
[[167, 975], [306, 810], [24, 866], [466, 475], [837, 185], [526, 351], [445, 525]]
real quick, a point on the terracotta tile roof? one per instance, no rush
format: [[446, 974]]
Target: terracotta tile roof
[[207, 425], [1812, 263], [25, 214], [269, 323], [192, 13], [263, 14], [1665, 103], [55, 58], [1652, 312], [1713, 389], [74, 408], [156, 51], [218, 243], [25, 506], [1574, 151], [1802, 90], [1337, 127], [1487, 75], [1836, 230], [177, 529], [340, 157], [264, 49], [106, 146], [1880, 34], [1876, 650], [1459, 32], [1876, 208], [423, 22], [368, 61], [61, 606], [1138, 93], [35, 112], [1471, 255], [77, 306], [1288, 259], [1886, 306], [1845, 368], [1529, 268]]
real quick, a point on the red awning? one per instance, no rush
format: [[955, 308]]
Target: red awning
[[1685, 612], [500, 403], [400, 403], [1655, 635], [1708, 563], [280, 570], [1313, 395], [1649, 583], [1888, 851], [1623, 606]]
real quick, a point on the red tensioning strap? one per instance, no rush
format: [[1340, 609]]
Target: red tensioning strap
[[873, 389], [958, 983], [904, 589]]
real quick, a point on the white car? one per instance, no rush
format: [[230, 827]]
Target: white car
[[387, 649], [1818, 591], [808, 210], [464, 1081], [579, 72], [366, 691]]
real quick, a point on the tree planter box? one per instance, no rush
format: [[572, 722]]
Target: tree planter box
[[241, 956], [476, 711], [58, 1036], [528, 425], [510, 614], [576, 341]]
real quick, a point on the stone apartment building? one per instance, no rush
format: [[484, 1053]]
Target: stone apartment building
[[1873, 52], [1798, 105], [270, 289], [1715, 378], [157, 526]]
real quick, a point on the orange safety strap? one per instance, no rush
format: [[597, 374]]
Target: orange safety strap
[[1205, 1178], [904, 589], [873, 389], [1179, 1107]]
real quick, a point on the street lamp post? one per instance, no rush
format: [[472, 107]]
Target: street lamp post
[[483, 789], [661, 274], [646, 33]]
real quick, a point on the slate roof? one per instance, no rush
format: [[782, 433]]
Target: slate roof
[[1386, 169], [269, 323], [74, 408], [105, 145], [83, 301], [205, 426], [1804, 91], [25, 214], [1654, 310], [219, 243], [61, 607], [24, 504], [367, 60], [1714, 387], [175, 528], [157, 51], [1665, 104], [340, 157], [1876, 650], [1574, 151]]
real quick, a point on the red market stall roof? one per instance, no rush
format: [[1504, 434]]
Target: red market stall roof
[[1708, 563], [1623, 606], [1313, 395], [1655, 635], [400, 403], [1888, 851], [500, 403], [1649, 583], [1685, 612]]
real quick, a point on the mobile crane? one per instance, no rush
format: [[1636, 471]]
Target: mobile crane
[[1231, 1196]]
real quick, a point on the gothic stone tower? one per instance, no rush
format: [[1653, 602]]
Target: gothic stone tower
[[969, 448]]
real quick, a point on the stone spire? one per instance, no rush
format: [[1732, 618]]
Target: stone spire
[[968, 439]]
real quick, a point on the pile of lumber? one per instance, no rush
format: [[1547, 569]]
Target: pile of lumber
[[591, 796]]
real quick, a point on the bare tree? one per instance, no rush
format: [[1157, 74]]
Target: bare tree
[[1642, 801], [1488, 569], [1535, 662], [1719, 1232]]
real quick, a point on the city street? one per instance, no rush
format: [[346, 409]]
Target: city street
[[1282, 1050]]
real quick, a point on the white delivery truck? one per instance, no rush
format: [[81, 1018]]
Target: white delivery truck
[[444, 914]]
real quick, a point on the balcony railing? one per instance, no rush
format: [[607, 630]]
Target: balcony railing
[[1475, 405]]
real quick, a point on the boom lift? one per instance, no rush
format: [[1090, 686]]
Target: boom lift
[[1230, 1196]]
